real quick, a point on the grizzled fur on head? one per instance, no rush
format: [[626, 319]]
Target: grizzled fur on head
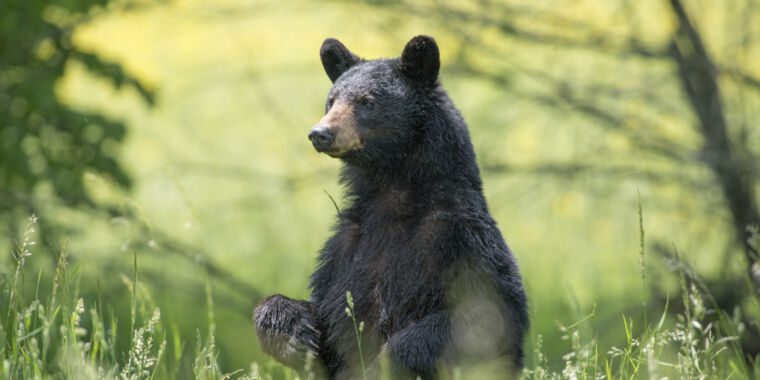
[[402, 121]]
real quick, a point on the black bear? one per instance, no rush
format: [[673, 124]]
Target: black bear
[[434, 285]]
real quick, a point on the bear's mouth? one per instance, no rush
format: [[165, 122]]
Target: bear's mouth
[[339, 150], [336, 153]]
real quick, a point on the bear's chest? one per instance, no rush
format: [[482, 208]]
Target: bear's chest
[[390, 269], [377, 267]]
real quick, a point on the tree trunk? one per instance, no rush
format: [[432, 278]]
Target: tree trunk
[[700, 83]]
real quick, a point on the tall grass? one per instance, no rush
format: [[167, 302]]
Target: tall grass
[[67, 336], [702, 343], [358, 330], [699, 345]]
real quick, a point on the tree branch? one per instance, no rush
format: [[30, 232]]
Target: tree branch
[[698, 77]]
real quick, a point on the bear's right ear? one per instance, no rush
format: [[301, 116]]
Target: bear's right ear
[[336, 58]]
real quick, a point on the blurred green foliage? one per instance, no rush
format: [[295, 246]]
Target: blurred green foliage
[[574, 109], [46, 146]]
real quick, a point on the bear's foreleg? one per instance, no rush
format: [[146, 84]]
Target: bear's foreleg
[[287, 330], [417, 349]]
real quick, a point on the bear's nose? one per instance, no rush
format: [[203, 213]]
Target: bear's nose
[[321, 138]]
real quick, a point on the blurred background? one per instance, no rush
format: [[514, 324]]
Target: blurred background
[[175, 132]]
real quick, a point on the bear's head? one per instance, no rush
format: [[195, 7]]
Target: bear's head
[[375, 109]]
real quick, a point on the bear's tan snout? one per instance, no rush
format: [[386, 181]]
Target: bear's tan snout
[[337, 132]]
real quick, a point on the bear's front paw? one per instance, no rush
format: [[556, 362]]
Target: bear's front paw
[[287, 329]]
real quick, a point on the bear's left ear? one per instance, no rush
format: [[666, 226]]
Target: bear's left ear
[[336, 58], [421, 60]]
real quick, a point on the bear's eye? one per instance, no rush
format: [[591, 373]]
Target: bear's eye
[[329, 104], [366, 101]]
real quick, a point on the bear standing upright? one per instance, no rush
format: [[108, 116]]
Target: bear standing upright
[[431, 277]]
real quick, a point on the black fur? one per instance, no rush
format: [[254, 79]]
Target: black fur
[[336, 58], [430, 274], [420, 60]]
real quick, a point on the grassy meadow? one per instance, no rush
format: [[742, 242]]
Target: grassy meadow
[[229, 202]]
